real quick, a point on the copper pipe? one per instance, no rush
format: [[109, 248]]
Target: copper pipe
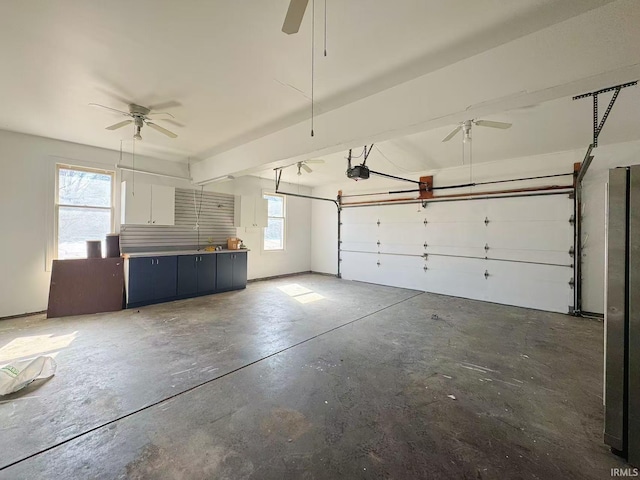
[[462, 195]]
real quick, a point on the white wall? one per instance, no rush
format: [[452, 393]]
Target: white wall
[[324, 227], [26, 214], [296, 256]]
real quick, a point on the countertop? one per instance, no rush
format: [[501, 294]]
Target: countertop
[[179, 252]]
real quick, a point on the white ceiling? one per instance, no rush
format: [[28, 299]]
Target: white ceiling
[[553, 126], [236, 75]]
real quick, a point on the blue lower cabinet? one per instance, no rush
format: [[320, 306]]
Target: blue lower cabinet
[[239, 270], [187, 275], [165, 278], [231, 271], [207, 273], [152, 280], [224, 272]]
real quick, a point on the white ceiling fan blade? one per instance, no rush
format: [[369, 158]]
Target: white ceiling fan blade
[[162, 130], [109, 108], [492, 124], [162, 106], [295, 13], [160, 113], [452, 134], [306, 168], [119, 125], [173, 122], [315, 160]]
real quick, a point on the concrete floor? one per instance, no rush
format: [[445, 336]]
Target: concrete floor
[[366, 382]]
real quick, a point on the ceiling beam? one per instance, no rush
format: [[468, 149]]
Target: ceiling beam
[[587, 52]]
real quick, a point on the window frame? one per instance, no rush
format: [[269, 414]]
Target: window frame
[[284, 222], [57, 204]]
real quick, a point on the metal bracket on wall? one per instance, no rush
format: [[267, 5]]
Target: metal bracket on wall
[[597, 126], [378, 263], [572, 283], [572, 219], [378, 243], [424, 204], [425, 268], [425, 256], [425, 245], [486, 220], [486, 247], [425, 222], [486, 274], [572, 251]]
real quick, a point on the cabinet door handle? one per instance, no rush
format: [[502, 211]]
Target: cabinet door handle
[[153, 221], [152, 261]]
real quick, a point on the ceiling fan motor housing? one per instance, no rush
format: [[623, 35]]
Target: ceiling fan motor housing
[[138, 110]]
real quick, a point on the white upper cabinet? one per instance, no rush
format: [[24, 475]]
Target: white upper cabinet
[[148, 205], [163, 205], [250, 211]]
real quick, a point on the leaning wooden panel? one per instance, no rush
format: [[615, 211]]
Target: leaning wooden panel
[[91, 285]]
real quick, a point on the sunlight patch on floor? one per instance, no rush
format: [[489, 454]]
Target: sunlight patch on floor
[[300, 293], [35, 345]]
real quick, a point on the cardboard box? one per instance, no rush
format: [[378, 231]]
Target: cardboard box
[[233, 243]]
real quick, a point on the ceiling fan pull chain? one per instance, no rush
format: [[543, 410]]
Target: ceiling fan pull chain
[[325, 28], [133, 165], [313, 42]]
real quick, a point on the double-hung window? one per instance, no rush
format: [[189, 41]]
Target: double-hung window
[[83, 209], [274, 233]]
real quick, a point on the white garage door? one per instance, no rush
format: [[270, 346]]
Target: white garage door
[[514, 251]]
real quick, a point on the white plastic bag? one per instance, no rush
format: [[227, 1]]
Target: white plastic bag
[[18, 375]]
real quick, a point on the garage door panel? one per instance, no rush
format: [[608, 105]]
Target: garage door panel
[[406, 213], [360, 247], [402, 232], [403, 271], [550, 207], [362, 267], [401, 248], [535, 286], [440, 212], [365, 215], [463, 234], [405, 238], [535, 256], [459, 277], [455, 251], [539, 235], [359, 232]]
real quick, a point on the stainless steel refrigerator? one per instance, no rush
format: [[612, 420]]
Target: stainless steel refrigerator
[[622, 315]]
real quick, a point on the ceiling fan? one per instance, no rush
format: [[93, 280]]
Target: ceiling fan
[[139, 117], [303, 165], [294, 16], [466, 128]]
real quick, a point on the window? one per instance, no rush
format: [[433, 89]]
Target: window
[[274, 233], [84, 209]]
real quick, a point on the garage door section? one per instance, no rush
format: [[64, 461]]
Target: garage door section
[[515, 251]]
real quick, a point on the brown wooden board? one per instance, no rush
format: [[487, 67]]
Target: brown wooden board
[[91, 285]]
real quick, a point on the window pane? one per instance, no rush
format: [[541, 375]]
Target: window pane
[[76, 226], [274, 234], [276, 206], [76, 187]]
